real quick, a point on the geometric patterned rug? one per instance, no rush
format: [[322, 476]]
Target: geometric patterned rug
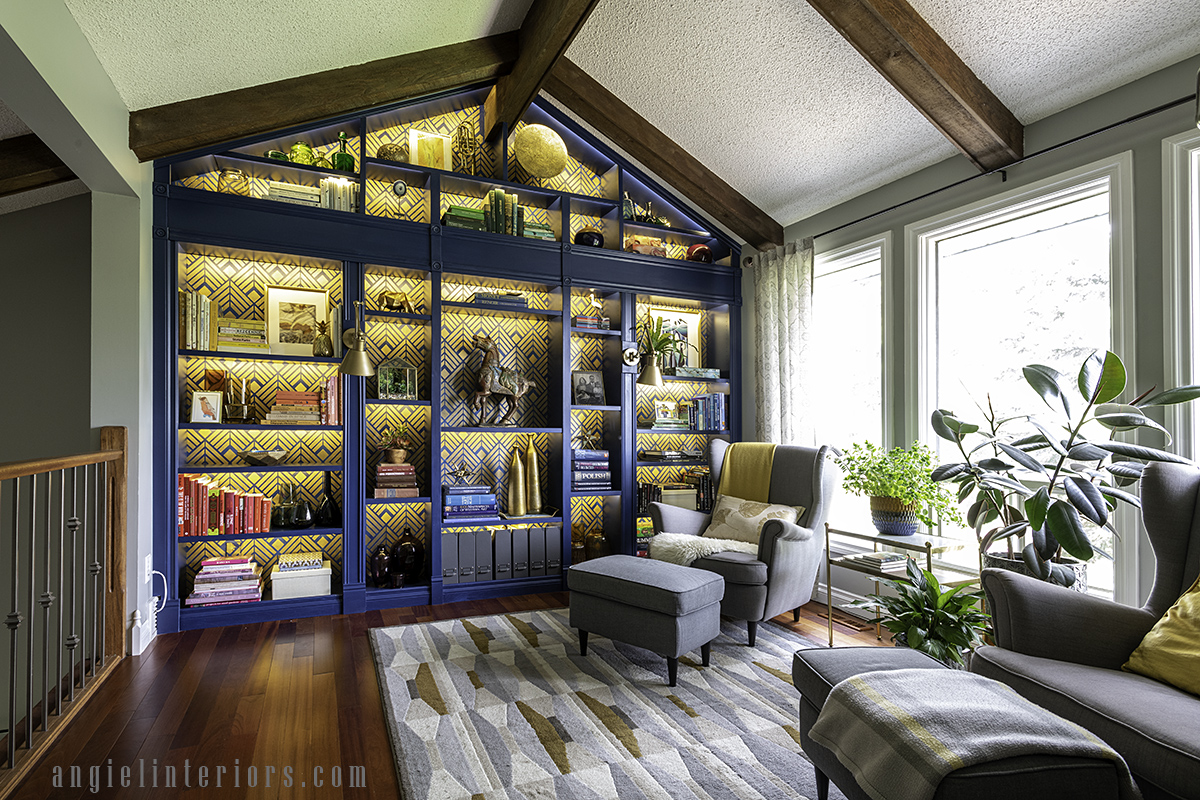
[[505, 707]]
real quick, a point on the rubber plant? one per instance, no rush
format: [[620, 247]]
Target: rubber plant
[[1044, 485], [945, 623]]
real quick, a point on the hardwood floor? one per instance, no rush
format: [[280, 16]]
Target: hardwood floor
[[300, 694]]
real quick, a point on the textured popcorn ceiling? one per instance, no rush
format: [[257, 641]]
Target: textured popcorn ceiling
[[10, 123], [763, 92]]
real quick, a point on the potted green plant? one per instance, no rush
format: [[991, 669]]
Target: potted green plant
[[945, 623], [397, 444], [1043, 486], [656, 345], [899, 485]]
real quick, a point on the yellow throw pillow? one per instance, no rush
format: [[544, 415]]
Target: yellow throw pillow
[[1171, 650], [742, 520]]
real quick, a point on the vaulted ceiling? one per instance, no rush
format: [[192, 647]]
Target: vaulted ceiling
[[766, 93]]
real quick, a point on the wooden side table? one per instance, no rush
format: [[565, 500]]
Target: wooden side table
[[916, 544]]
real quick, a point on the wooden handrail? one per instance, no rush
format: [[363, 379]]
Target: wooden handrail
[[36, 466]]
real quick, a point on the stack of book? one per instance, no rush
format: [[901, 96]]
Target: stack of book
[[469, 504], [512, 301], [645, 531], [332, 403], [668, 455], [294, 193], [396, 480], [464, 217], [537, 230], [241, 335], [225, 581], [709, 412], [503, 213], [701, 478], [295, 408], [884, 562], [592, 322], [205, 508], [197, 319], [340, 194], [590, 471], [300, 575]]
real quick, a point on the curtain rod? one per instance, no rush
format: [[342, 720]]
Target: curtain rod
[[1001, 170]]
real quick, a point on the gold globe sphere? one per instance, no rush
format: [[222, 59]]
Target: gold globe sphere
[[540, 151]]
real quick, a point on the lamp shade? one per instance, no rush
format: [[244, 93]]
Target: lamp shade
[[355, 362], [651, 375]]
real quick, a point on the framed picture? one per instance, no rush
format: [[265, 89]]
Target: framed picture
[[588, 388], [684, 326], [426, 149], [666, 410], [292, 317], [206, 407]]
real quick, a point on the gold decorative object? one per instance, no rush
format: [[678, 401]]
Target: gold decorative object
[[516, 485], [465, 144], [394, 151], [233, 181], [302, 153], [533, 487], [540, 151]]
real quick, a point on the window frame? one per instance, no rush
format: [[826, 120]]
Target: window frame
[[921, 239], [1181, 281]]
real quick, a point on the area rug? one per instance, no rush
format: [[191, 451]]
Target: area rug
[[505, 707]]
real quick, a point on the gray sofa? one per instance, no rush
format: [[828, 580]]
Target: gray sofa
[[1064, 650], [782, 576]]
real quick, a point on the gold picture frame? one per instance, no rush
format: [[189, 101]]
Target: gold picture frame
[[292, 315], [428, 149], [684, 325]]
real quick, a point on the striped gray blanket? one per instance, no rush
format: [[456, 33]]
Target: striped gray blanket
[[899, 732]]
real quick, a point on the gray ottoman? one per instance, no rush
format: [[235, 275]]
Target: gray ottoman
[[665, 608], [816, 671]]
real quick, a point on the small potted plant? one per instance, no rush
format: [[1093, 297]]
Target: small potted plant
[[397, 444], [657, 345], [899, 485], [942, 623]]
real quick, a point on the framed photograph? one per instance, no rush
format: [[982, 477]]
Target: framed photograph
[[206, 407], [684, 326], [292, 317], [426, 149], [666, 410], [588, 388]]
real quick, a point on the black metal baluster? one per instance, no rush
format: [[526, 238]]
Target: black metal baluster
[[94, 568], [33, 484], [47, 602], [62, 557], [83, 592], [72, 640], [13, 621]]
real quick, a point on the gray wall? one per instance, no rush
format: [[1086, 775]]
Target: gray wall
[[45, 288], [1143, 138]]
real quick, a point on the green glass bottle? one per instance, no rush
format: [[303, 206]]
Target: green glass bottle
[[342, 159]]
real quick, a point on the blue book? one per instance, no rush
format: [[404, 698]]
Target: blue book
[[470, 499], [461, 490], [589, 455], [450, 512]]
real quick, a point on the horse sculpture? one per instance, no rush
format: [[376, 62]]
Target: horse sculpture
[[495, 379]]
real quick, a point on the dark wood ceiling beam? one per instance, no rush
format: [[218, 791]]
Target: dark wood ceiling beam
[[547, 32], [631, 132], [27, 163], [206, 121], [902, 46]]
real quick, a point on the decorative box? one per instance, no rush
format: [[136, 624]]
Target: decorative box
[[697, 372], [300, 582]]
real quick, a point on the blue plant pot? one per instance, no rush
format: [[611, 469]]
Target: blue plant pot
[[893, 518]]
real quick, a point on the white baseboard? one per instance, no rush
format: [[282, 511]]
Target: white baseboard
[[142, 632], [841, 601]]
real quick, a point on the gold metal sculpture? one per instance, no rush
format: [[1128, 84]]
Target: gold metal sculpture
[[516, 484], [533, 488], [540, 151]]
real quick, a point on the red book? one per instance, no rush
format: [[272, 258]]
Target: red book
[[265, 522], [179, 513], [230, 505], [210, 562], [297, 398], [408, 468], [396, 492], [239, 514]]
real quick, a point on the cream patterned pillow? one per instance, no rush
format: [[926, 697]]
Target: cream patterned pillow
[[742, 520]]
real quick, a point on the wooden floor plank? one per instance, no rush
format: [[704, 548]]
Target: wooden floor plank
[[299, 693]]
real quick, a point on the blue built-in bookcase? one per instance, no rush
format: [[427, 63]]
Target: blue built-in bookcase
[[233, 246]]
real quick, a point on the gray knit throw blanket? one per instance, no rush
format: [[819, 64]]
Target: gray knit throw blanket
[[899, 732]]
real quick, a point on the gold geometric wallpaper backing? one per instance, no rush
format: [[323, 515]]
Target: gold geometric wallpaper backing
[[523, 346], [584, 421], [445, 124], [239, 286], [532, 213], [414, 286], [674, 441], [492, 453], [263, 379], [587, 513], [264, 552], [665, 473], [256, 173], [217, 448], [386, 523], [415, 419], [575, 178], [679, 391], [383, 202], [311, 485], [587, 354]]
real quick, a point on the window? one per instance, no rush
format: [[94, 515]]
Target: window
[[1181, 218], [1034, 276], [848, 332]]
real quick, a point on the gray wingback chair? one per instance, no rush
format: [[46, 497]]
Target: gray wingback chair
[[1064, 650], [782, 575]]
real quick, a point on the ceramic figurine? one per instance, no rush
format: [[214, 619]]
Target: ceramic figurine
[[494, 379]]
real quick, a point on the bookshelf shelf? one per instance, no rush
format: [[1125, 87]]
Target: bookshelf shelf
[[593, 331], [473, 308], [203, 469], [273, 534], [228, 356], [209, 426]]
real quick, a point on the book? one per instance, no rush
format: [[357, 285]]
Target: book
[[589, 455], [591, 476], [448, 489], [470, 499], [475, 520], [395, 492], [452, 512], [396, 468], [590, 465]]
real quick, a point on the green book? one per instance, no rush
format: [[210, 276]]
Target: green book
[[520, 221], [465, 211]]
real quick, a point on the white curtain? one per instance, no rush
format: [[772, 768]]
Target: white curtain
[[783, 284]]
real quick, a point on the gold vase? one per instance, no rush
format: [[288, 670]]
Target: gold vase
[[533, 488], [516, 485]]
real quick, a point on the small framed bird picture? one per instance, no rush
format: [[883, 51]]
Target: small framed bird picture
[[206, 407]]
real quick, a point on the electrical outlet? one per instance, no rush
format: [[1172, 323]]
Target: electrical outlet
[[149, 566]]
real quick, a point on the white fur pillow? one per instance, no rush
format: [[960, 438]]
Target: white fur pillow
[[742, 520]]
